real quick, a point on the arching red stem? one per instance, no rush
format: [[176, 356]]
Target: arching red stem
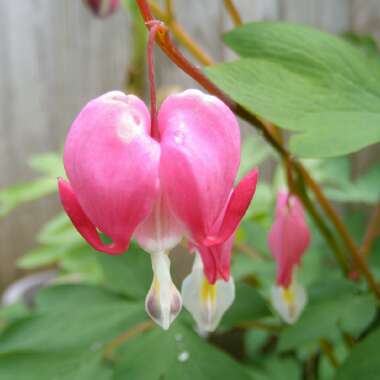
[[154, 26]]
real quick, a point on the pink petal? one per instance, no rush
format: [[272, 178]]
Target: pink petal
[[237, 206], [200, 141], [112, 164], [289, 237], [217, 260], [82, 223]]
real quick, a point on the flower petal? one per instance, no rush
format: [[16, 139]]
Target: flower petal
[[200, 141], [206, 302], [83, 224], [289, 302], [112, 164], [163, 301], [238, 204], [288, 238]]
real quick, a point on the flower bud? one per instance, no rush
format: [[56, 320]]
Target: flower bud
[[103, 8]]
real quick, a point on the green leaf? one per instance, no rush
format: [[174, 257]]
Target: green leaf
[[363, 361], [367, 44], [366, 189], [41, 256], [307, 81], [53, 365], [279, 369], [175, 354], [334, 305], [50, 164], [130, 274], [248, 306], [12, 313], [72, 317], [17, 195], [59, 230], [253, 152]]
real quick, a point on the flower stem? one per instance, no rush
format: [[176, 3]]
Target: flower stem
[[371, 232], [121, 339], [349, 242], [154, 28], [328, 350], [196, 51], [233, 12], [164, 41]]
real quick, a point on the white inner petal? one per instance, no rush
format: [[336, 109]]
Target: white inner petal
[[290, 302], [163, 301], [206, 302]]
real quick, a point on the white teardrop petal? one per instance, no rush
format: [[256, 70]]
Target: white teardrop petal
[[206, 302], [163, 301], [290, 302]]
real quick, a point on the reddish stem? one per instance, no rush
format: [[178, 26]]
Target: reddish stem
[[154, 27]]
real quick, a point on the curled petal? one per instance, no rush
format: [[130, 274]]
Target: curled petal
[[163, 301], [289, 302], [217, 260], [83, 224], [206, 302], [237, 206]]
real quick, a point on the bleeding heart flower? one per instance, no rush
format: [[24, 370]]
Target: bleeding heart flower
[[124, 182], [103, 8], [288, 240], [289, 236]]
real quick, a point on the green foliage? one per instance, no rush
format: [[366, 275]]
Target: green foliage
[[306, 81], [363, 362], [335, 177], [50, 166], [334, 306], [176, 354]]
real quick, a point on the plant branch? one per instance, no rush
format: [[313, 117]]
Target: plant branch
[[121, 339], [260, 326], [169, 10], [371, 232], [360, 261], [164, 41], [233, 12], [328, 350], [195, 50]]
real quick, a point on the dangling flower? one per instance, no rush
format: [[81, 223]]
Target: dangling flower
[[288, 240], [126, 180], [103, 8]]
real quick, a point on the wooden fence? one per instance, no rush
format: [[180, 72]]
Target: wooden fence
[[55, 56]]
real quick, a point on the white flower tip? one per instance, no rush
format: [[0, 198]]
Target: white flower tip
[[289, 302], [163, 301], [206, 302]]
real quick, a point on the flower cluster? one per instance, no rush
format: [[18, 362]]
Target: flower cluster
[[128, 182]]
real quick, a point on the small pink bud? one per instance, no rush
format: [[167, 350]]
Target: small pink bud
[[289, 236], [103, 8]]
